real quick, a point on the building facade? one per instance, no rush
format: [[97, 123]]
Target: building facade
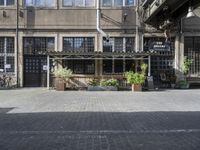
[[68, 29]]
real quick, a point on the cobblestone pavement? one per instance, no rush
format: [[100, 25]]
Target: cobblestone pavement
[[37, 119]]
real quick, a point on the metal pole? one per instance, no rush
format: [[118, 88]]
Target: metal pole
[[17, 43], [48, 73], [149, 65]]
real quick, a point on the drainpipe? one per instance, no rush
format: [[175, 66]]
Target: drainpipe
[[17, 42], [98, 22]]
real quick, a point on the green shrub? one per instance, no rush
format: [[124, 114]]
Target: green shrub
[[110, 82], [63, 73], [136, 77], [186, 65], [94, 82]]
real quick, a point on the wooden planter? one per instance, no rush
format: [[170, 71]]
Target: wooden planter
[[60, 84], [136, 87]]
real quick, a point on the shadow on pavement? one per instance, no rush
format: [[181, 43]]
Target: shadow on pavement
[[100, 131]]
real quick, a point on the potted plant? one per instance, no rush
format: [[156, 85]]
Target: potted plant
[[136, 79], [173, 81], [183, 84], [62, 76]]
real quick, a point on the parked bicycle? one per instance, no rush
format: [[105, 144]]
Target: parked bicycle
[[5, 81]]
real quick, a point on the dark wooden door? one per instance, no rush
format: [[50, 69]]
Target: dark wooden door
[[35, 74]]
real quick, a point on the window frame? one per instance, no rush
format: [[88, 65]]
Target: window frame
[[35, 6], [113, 4], [8, 55], [6, 5], [75, 6]]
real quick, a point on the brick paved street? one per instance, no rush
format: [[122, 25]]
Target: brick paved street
[[38, 119]]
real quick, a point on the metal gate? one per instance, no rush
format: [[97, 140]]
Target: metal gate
[[35, 73]]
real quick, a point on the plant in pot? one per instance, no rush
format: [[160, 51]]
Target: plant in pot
[[183, 84], [62, 76], [136, 79], [173, 81]]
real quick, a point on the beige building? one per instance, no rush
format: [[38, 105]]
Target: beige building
[[71, 30]]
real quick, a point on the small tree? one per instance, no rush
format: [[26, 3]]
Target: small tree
[[63, 73], [186, 65]]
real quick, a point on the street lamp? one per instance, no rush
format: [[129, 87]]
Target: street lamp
[[190, 14]]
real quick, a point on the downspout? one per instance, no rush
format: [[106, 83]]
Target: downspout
[[17, 42], [98, 22]]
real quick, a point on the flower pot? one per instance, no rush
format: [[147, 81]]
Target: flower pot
[[60, 84], [136, 87]]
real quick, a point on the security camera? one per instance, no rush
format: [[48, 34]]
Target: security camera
[[107, 38]]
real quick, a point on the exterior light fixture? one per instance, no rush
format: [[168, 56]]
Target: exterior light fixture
[[190, 13]]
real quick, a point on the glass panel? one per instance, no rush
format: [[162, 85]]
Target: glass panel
[[106, 3], [2, 44], [118, 66], [89, 44], [78, 67], [28, 46], [29, 3], [118, 2], [11, 61], [89, 67], [1, 2], [40, 45], [79, 3], [118, 44], [10, 2], [10, 45], [79, 44], [68, 44], [130, 66], [50, 3], [108, 45], [89, 3], [67, 2], [50, 44], [40, 3], [129, 2], [130, 44], [107, 66], [1, 62]]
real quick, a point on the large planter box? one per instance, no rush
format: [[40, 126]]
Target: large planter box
[[102, 88], [136, 87], [60, 84]]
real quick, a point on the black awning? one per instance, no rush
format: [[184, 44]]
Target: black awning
[[101, 54]]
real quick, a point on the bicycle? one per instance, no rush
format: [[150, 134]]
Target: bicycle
[[5, 81]]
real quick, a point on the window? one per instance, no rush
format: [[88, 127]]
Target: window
[[7, 2], [119, 44], [85, 44], [80, 66], [40, 3], [38, 45], [7, 54], [79, 3], [117, 3]]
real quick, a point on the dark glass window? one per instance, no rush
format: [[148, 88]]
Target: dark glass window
[[107, 66], [80, 66], [117, 44], [130, 65], [85, 44], [107, 3], [130, 44], [10, 60], [2, 44], [118, 65], [7, 54], [7, 2], [38, 45]]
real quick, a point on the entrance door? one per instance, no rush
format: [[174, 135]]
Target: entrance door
[[35, 74]]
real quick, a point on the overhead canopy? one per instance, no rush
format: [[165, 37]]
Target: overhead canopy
[[158, 11], [82, 54]]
